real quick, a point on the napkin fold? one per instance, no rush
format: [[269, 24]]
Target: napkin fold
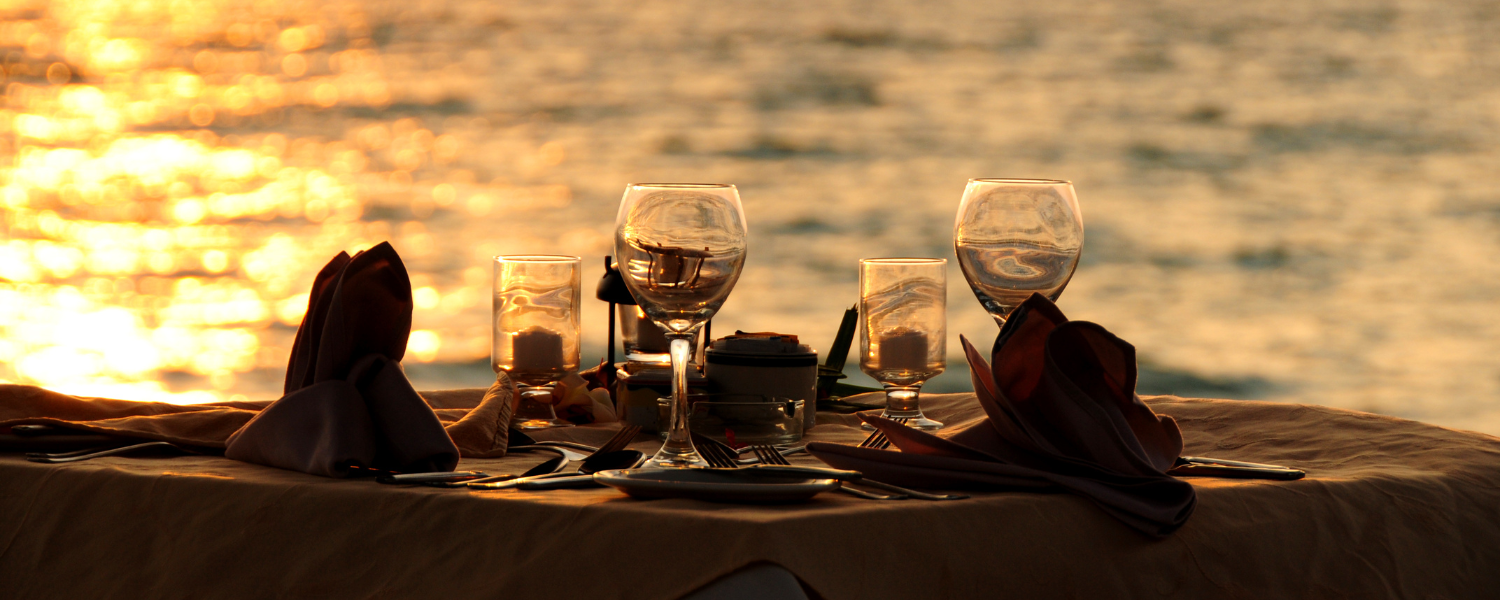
[[347, 404], [1061, 414]]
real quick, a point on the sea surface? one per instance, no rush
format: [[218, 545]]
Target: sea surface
[[1283, 200]]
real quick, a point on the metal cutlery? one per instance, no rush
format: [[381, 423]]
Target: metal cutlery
[[615, 444], [769, 455], [878, 440], [773, 462], [1189, 466], [67, 457]]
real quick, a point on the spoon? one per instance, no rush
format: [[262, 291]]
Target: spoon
[[551, 465], [621, 459]]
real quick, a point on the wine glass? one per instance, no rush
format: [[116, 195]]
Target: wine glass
[[535, 337], [903, 327], [1014, 237], [681, 247]]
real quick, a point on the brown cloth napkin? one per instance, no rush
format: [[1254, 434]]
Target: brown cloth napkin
[[348, 406], [1061, 413]]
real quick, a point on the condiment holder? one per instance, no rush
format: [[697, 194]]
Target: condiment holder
[[765, 365]]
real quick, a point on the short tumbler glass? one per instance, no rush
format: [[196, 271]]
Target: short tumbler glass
[[536, 330]]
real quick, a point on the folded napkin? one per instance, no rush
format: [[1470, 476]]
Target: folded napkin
[[348, 406], [1061, 414]]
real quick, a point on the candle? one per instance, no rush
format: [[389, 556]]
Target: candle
[[537, 349], [903, 349]]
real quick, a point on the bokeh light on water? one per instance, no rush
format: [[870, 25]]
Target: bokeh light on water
[[173, 181], [1283, 200]]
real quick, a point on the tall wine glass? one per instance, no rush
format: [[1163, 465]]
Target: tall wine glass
[[535, 336], [903, 327], [681, 247], [1014, 237]]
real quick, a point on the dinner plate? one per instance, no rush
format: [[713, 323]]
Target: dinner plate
[[714, 485]]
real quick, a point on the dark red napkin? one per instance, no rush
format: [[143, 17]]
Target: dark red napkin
[[1061, 415], [348, 405]]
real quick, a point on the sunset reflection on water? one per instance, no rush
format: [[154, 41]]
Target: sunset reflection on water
[[1284, 201], [157, 220]]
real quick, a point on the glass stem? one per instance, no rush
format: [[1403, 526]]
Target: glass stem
[[678, 448]]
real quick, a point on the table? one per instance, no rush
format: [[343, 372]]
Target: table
[[1390, 508]]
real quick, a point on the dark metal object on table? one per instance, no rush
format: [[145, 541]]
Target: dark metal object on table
[[838, 354], [450, 477], [67, 457], [612, 290], [769, 455], [548, 467], [615, 444], [619, 459], [721, 456], [1198, 466]]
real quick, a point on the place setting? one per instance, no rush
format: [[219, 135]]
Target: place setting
[[1057, 398], [1055, 411], [745, 428]]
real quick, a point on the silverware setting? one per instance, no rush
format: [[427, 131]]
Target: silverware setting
[[772, 461], [92, 453], [877, 439], [611, 455]]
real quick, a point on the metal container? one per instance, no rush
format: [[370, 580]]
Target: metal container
[[772, 365], [640, 385]]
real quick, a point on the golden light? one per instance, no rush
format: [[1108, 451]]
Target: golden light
[[158, 218]]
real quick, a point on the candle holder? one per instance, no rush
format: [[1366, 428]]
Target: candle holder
[[903, 330], [536, 329]]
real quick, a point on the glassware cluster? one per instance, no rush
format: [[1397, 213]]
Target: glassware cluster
[[681, 248]]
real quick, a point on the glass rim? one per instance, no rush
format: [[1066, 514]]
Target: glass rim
[[538, 258], [902, 261], [1020, 181], [685, 186]]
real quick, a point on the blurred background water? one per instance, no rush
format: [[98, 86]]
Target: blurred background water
[[1283, 200]]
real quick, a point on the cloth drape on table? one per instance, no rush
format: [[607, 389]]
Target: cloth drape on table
[[477, 423], [1061, 415]]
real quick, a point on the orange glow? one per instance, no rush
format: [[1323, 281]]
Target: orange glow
[[135, 240]]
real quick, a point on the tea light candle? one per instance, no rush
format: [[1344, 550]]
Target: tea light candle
[[537, 349], [649, 337], [903, 349]]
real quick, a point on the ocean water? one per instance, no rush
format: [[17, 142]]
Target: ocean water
[[1283, 200]]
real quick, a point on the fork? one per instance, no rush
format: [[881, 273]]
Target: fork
[[769, 455], [878, 440]]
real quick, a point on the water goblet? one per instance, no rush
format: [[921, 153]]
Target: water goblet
[[535, 337], [1016, 237], [681, 248], [903, 329]]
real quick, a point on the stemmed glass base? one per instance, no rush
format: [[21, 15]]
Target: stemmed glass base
[[678, 451], [535, 410], [901, 402]]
